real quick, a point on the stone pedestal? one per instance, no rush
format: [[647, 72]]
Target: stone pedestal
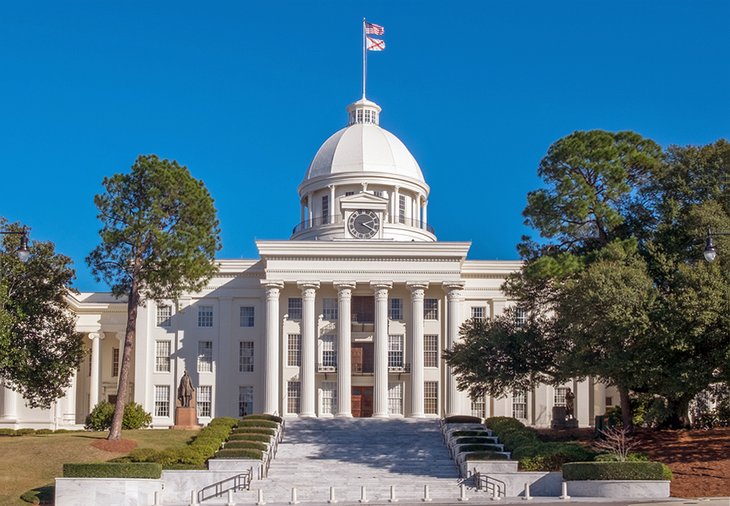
[[186, 419], [560, 420]]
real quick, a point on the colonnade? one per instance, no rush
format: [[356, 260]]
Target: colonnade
[[309, 335]]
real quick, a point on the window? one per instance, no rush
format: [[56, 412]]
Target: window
[[295, 308], [245, 400], [430, 397], [395, 398], [162, 356], [245, 356], [329, 354], [395, 351], [294, 350], [430, 350], [378, 193], [559, 397], [609, 401], [430, 309], [347, 194], [479, 408], [205, 316], [115, 362], [293, 389], [520, 316], [164, 313], [329, 397], [325, 209], [478, 312], [329, 309], [205, 356], [363, 309], [162, 400], [519, 404], [247, 316], [205, 394], [395, 309], [401, 209]]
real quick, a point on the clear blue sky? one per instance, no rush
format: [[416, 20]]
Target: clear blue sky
[[244, 93]]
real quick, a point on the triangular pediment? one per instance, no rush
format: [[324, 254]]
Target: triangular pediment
[[363, 201]]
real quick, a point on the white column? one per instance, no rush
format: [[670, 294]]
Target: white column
[[96, 338], [229, 360], [332, 203], [271, 371], [309, 348], [68, 415], [417, 291], [301, 211], [344, 344], [381, 348], [454, 298], [10, 405], [583, 403], [414, 211], [424, 213], [396, 206], [310, 209]]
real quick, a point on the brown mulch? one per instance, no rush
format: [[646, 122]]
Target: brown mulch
[[699, 459], [120, 446]]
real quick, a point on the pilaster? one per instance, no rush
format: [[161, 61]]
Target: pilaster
[[454, 295]]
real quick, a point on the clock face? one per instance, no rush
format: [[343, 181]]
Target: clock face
[[363, 224]]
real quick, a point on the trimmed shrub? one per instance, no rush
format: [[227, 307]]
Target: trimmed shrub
[[271, 418], [143, 455], [43, 432], [462, 433], [514, 438], [239, 453], [462, 419], [250, 437], [8, 432], [135, 417], [24, 432], [246, 444], [631, 457], [478, 448], [500, 423], [113, 470], [577, 471], [484, 456], [258, 423], [100, 418], [254, 430], [474, 440], [225, 421]]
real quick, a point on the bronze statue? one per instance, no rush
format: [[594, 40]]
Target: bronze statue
[[569, 406], [185, 390]]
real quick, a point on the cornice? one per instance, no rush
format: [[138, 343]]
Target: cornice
[[349, 250]]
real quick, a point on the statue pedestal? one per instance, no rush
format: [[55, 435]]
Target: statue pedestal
[[186, 419]]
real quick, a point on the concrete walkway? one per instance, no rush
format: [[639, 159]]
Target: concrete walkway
[[317, 454]]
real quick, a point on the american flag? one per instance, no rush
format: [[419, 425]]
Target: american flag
[[375, 44], [373, 29]]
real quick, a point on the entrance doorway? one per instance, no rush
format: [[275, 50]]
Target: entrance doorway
[[362, 402], [362, 358]]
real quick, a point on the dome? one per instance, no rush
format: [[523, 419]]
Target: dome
[[364, 147]]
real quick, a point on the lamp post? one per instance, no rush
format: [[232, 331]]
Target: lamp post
[[23, 252], [710, 251]]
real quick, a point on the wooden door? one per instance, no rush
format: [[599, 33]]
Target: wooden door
[[356, 358], [362, 401]]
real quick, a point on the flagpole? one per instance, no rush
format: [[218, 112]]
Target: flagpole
[[364, 58]]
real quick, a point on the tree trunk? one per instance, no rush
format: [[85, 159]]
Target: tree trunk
[[627, 417], [678, 413], [115, 433]]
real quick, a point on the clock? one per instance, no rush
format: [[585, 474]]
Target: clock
[[363, 224]]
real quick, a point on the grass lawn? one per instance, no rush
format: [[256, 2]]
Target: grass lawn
[[28, 462]]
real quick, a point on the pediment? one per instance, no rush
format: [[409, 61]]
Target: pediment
[[363, 201]]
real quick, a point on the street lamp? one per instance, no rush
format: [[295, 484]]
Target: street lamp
[[710, 251], [23, 252]]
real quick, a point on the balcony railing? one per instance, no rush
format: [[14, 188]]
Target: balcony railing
[[333, 220], [399, 368], [326, 368]]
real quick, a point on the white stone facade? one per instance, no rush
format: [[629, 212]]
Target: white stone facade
[[346, 318]]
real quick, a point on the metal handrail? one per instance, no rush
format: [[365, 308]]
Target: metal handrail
[[239, 482], [490, 484]]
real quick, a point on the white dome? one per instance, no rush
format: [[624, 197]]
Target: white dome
[[364, 147]]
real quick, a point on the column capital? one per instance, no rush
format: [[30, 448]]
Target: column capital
[[381, 285], [308, 288], [272, 283], [95, 335], [417, 285], [453, 289], [344, 285]]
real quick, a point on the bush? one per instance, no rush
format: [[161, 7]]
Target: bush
[[474, 440], [478, 448], [485, 456], [271, 418], [113, 470], [43, 432], [550, 456], [247, 444], [258, 423], [513, 438], [250, 437], [577, 471], [631, 457], [254, 430], [100, 418], [24, 432], [500, 423], [239, 453], [463, 433], [225, 421], [462, 419], [8, 432]]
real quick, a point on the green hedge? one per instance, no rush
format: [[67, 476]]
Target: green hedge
[[254, 430], [113, 470], [577, 471], [474, 440], [226, 421], [478, 448], [271, 418], [499, 423], [462, 419], [485, 456], [246, 444], [239, 453], [249, 437], [258, 423], [463, 433]]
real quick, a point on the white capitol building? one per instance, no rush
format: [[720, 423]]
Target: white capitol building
[[346, 318]]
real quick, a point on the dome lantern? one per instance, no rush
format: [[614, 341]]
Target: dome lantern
[[363, 112]]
